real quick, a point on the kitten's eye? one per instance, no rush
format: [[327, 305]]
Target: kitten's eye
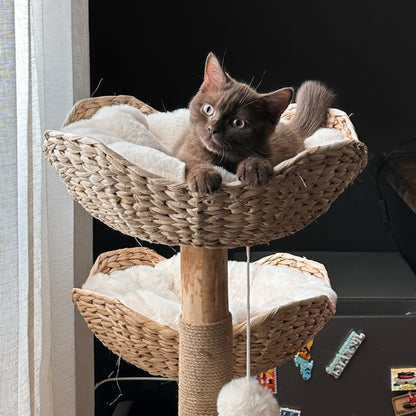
[[208, 109], [238, 123]]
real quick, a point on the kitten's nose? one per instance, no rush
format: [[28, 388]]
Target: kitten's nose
[[212, 129]]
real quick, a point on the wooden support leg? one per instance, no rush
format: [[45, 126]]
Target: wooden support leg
[[205, 336]]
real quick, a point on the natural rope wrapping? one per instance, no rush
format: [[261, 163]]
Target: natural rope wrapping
[[204, 366]]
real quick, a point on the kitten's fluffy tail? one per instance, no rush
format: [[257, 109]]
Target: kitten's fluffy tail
[[312, 102]]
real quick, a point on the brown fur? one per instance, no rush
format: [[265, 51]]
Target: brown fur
[[250, 151]]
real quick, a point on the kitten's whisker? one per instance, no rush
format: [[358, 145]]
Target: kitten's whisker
[[261, 79], [248, 103], [247, 94], [223, 57], [227, 144], [243, 98], [163, 105], [223, 154]]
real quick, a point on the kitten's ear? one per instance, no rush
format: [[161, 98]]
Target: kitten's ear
[[280, 99], [214, 76]]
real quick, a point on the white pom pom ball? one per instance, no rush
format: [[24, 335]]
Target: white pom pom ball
[[246, 398]]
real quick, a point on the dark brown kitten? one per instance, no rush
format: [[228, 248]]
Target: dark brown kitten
[[233, 126]]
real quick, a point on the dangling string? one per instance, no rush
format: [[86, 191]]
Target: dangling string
[[248, 371]]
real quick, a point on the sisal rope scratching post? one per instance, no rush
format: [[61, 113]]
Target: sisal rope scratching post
[[205, 335]]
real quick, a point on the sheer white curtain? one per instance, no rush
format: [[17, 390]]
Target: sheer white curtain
[[44, 68]]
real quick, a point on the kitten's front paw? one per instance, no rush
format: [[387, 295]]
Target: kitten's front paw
[[254, 171], [203, 179]]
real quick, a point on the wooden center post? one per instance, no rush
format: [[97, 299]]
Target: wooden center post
[[205, 335]]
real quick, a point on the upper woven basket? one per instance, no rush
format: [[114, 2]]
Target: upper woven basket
[[164, 211]]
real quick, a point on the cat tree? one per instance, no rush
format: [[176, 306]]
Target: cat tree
[[209, 350]]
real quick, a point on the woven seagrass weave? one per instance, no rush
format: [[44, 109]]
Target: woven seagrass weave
[[162, 211], [276, 336]]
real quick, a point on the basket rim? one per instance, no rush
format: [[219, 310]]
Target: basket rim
[[107, 100], [78, 292], [279, 169], [238, 329], [302, 260], [96, 268]]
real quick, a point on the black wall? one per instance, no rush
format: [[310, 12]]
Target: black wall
[[363, 50]]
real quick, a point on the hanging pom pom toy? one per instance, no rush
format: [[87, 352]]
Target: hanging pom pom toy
[[245, 396]]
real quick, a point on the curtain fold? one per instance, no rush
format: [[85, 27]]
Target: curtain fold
[[37, 334], [9, 285]]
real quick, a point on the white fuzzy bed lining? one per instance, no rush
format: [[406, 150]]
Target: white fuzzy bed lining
[[155, 291]]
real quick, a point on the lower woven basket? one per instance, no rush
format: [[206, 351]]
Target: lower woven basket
[[276, 335]]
